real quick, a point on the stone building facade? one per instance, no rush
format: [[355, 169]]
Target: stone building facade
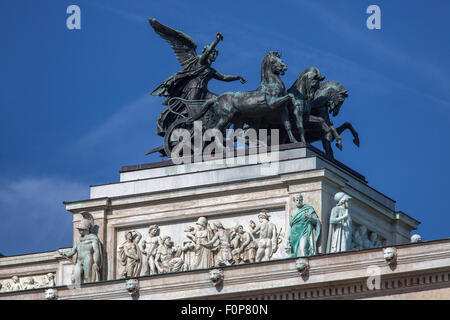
[[164, 228]]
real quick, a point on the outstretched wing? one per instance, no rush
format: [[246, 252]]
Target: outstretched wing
[[183, 46]]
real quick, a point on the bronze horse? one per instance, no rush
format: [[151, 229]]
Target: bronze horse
[[329, 99], [268, 100]]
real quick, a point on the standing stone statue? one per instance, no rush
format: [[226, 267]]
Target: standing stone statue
[[304, 230], [149, 247], [268, 237], [130, 256], [340, 230], [89, 253]]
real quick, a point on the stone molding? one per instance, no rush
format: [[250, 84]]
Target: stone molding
[[420, 267]]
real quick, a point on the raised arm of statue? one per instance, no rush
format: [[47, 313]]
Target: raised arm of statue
[[211, 47], [254, 229], [227, 78], [137, 237]]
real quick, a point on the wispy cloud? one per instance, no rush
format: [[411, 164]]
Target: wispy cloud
[[121, 121], [123, 135], [33, 216], [338, 25]]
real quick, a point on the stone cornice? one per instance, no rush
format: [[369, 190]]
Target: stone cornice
[[349, 269]]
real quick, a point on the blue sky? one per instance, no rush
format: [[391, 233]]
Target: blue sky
[[75, 104]]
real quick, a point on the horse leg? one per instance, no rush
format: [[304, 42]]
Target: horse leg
[[327, 147], [288, 128], [274, 102], [298, 114], [348, 125]]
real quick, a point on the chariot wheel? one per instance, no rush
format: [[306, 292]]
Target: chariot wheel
[[169, 144]]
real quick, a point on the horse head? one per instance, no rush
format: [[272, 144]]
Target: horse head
[[272, 65], [308, 82], [332, 94]]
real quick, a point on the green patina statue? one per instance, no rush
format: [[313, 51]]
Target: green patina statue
[[304, 230], [300, 113], [89, 253]]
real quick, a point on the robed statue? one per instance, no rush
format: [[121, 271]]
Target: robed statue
[[130, 256], [304, 230], [190, 83], [340, 231]]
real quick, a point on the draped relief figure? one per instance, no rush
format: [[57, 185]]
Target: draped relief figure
[[361, 239], [188, 247], [375, 240], [16, 284], [31, 283], [220, 244], [168, 258], [89, 253], [130, 256], [149, 247], [244, 246], [5, 286], [304, 230], [50, 280], [340, 230], [203, 256]]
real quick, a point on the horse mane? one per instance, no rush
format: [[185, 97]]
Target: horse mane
[[301, 77], [329, 89], [266, 62]]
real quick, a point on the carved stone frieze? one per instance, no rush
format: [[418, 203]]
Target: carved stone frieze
[[201, 244], [17, 283]]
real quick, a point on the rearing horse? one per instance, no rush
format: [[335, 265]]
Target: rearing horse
[[268, 98]]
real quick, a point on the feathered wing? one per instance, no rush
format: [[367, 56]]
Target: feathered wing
[[182, 45]]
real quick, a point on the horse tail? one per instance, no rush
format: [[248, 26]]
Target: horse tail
[[204, 109]]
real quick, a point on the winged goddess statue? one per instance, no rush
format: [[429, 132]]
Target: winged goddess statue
[[190, 83]]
